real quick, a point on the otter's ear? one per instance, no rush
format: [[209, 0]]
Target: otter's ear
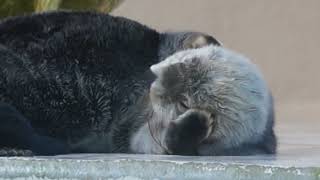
[[158, 69], [161, 67], [198, 40]]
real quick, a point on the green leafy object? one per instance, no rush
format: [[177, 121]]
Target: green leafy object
[[21, 7], [96, 5], [15, 7], [46, 5]]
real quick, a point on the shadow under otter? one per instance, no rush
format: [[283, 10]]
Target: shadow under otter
[[78, 82]]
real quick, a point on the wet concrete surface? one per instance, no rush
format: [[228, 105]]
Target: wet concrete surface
[[120, 166]]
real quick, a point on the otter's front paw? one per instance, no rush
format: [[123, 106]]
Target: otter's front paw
[[187, 132], [198, 40]]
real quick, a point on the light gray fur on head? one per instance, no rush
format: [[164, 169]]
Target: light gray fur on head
[[218, 81]]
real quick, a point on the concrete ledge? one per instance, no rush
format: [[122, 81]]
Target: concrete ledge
[[120, 166]]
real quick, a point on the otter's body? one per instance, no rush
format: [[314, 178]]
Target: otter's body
[[81, 82]]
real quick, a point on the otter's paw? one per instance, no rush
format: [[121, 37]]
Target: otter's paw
[[15, 152], [187, 132], [198, 40]]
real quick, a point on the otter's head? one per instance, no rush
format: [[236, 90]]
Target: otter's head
[[218, 84], [182, 86]]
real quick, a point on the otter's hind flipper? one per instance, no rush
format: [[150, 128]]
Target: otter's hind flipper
[[15, 152]]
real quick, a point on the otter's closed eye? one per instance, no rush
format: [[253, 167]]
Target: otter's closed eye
[[183, 106], [213, 115]]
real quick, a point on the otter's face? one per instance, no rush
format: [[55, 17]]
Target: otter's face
[[218, 85], [182, 87]]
